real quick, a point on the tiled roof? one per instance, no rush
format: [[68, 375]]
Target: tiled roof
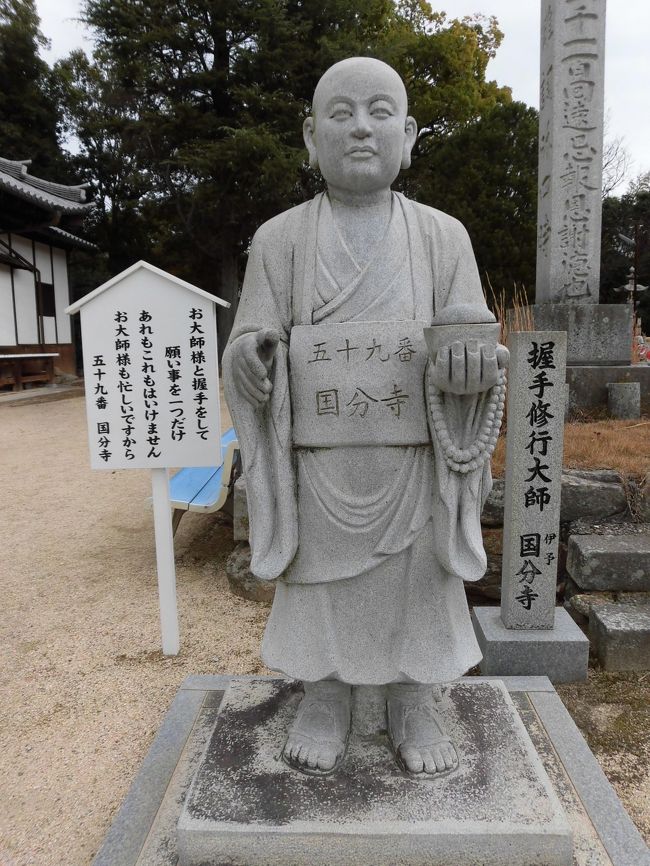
[[55, 196], [55, 232]]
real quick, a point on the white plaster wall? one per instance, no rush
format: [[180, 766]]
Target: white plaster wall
[[61, 295], [43, 262], [7, 331], [49, 329], [25, 294]]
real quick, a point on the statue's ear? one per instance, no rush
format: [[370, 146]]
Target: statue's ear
[[411, 131], [308, 133]]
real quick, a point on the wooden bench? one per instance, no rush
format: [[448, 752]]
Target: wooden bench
[[205, 488], [18, 369]]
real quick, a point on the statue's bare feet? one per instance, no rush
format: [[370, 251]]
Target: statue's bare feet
[[419, 738], [319, 734]]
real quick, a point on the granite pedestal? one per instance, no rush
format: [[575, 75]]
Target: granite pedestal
[[246, 807], [620, 634], [561, 653], [624, 399], [597, 334], [588, 384], [599, 349], [143, 832]]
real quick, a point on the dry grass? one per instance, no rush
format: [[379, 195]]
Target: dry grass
[[519, 317], [620, 445]]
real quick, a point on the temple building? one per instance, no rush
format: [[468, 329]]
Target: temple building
[[37, 221]]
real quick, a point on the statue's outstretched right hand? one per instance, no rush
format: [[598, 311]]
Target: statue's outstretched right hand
[[252, 361]]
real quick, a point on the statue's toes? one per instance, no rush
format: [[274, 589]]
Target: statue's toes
[[440, 761], [294, 749], [327, 759], [450, 756], [412, 759], [435, 759], [311, 759], [428, 759]]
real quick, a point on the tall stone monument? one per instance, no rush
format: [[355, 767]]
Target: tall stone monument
[[569, 209], [572, 75]]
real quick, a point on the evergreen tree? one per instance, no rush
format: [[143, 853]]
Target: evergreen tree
[[626, 226], [206, 101], [95, 112], [485, 174], [29, 117]]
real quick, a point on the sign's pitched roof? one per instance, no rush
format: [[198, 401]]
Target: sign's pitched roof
[[74, 308], [15, 179]]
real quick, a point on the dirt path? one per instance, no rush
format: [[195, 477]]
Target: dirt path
[[84, 685]]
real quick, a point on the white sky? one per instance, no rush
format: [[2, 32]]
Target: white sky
[[627, 57]]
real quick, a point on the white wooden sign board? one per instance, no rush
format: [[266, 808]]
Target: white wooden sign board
[[152, 393], [150, 368]]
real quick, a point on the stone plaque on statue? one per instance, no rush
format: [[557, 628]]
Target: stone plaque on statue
[[358, 382]]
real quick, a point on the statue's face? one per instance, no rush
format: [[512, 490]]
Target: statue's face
[[360, 135]]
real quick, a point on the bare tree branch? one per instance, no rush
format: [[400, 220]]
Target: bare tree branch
[[616, 160]]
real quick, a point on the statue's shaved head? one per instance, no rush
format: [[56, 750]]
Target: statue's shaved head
[[359, 133], [382, 76]]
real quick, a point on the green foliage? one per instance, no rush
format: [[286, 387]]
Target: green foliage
[[628, 215], [485, 174], [94, 110], [443, 64], [190, 114], [29, 117]]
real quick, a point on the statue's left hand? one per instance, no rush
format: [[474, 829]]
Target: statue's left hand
[[468, 368]]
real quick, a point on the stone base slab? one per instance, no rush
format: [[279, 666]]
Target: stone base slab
[[620, 635], [560, 653], [247, 808], [596, 333], [624, 399], [588, 385], [618, 563], [143, 832]]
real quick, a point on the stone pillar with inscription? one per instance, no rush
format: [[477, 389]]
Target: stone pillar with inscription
[[530, 635], [534, 446], [569, 208], [570, 151]]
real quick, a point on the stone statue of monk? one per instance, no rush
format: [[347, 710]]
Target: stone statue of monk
[[369, 543]]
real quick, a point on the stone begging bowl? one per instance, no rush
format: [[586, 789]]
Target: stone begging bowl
[[461, 323]]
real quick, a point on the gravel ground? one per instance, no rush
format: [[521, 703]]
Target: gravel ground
[[84, 685]]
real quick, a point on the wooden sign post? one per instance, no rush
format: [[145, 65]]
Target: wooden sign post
[[152, 393]]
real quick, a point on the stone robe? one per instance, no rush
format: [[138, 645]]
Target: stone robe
[[370, 545]]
